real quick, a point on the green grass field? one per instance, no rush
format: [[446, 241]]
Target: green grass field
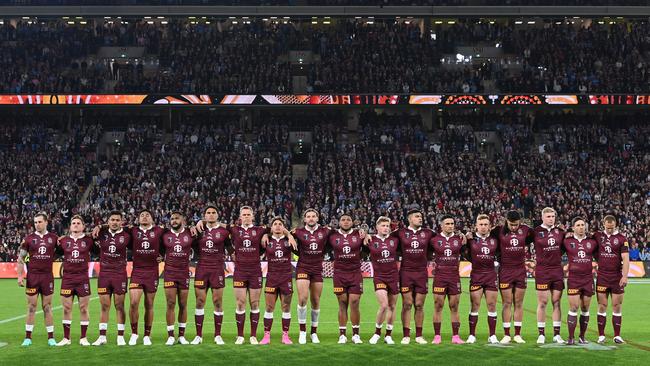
[[636, 330]]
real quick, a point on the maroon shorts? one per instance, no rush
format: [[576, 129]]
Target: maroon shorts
[[510, 278], [75, 285], [39, 283], [416, 281], [250, 280], [446, 285], [388, 283], [549, 279], [177, 279], [209, 278], [279, 283], [609, 284], [144, 279], [111, 283], [486, 281], [583, 286], [348, 282], [309, 273]]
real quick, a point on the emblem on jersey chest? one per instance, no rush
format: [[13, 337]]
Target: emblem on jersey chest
[[121, 240], [49, 240], [392, 243], [253, 232], [152, 235], [320, 236], [422, 235]]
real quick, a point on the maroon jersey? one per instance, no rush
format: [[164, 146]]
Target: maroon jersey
[[278, 255], [146, 246], [41, 249], [580, 253], [113, 250], [446, 252], [76, 255], [514, 245], [178, 248], [211, 247], [347, 250], [248, 244], [383, 255], [548, 248], [311, 246], [482, 252], [414, 245], [610, 249]]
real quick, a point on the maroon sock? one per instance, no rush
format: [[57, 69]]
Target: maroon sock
[[181, 331], [418, 331], [198, 320], [303, 327], [556, 331], [616, 322], [241, 319], [50, 335], [602, 320], [218, 319], [517, 330], [492, 324], [28, 334], [377, 331], [314, 329], [407, 332], [541, 330], [286, 324], [66, 330], [389, 331], [584, 322], [147, 330], [455, 326], [268, 323], [355, 330], [506, 331], [255, 319], [134, 328], [102, 332], [120, 332], [342, 331], [572, 321], [436, 328], [170, 332], [84, 329], [473, 319]]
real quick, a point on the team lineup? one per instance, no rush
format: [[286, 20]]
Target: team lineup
[[501, 257]]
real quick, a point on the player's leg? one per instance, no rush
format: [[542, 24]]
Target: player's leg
[[518, 315], [603, 302], [343, 316], [475, 305], [542, 302], [104, 310], [507, 295], [315, 292], [491, 302], [303, 286], [285, 300], [66, 303], [120, 315], [84, 318], [240, 312], [418, 305], [585, 302], [617, 316], [454, 300], [182, 314], [438, 304], [32, 303], [254, 302], [355, 316], [217, 302], [572, 318], [171, 294], [382, 300], [199, 312], [408, 298], [149, 300], [46, 303], [135, 294], [390, 317], [556, 298], [269, 300]]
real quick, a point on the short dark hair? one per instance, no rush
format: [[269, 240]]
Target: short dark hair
[[176, 212], [345, 214], [513, 215], [209, 207], [145, 210], [578, 218], [311, 209], [446, 217], [277, 218], [413, 211], [116, 212], [43, 215], [610, 218]]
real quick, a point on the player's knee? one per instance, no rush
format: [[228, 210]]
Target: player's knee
[[419, 307], [47, 308], [407, 306], [107, 307], [171, 303], [31, 308], [119, 307]]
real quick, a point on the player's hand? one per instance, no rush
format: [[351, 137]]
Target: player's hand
[[293, 243], [159, 259], [463, 239], [623, 281], [367, 239], [199, 226], [265, 240], [568, 235], [193, 231], [362, 233], [21, 281], [469, 235], [95, 232], [561, 227]]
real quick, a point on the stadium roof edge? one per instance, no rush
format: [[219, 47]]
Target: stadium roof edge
[[339, 11]]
